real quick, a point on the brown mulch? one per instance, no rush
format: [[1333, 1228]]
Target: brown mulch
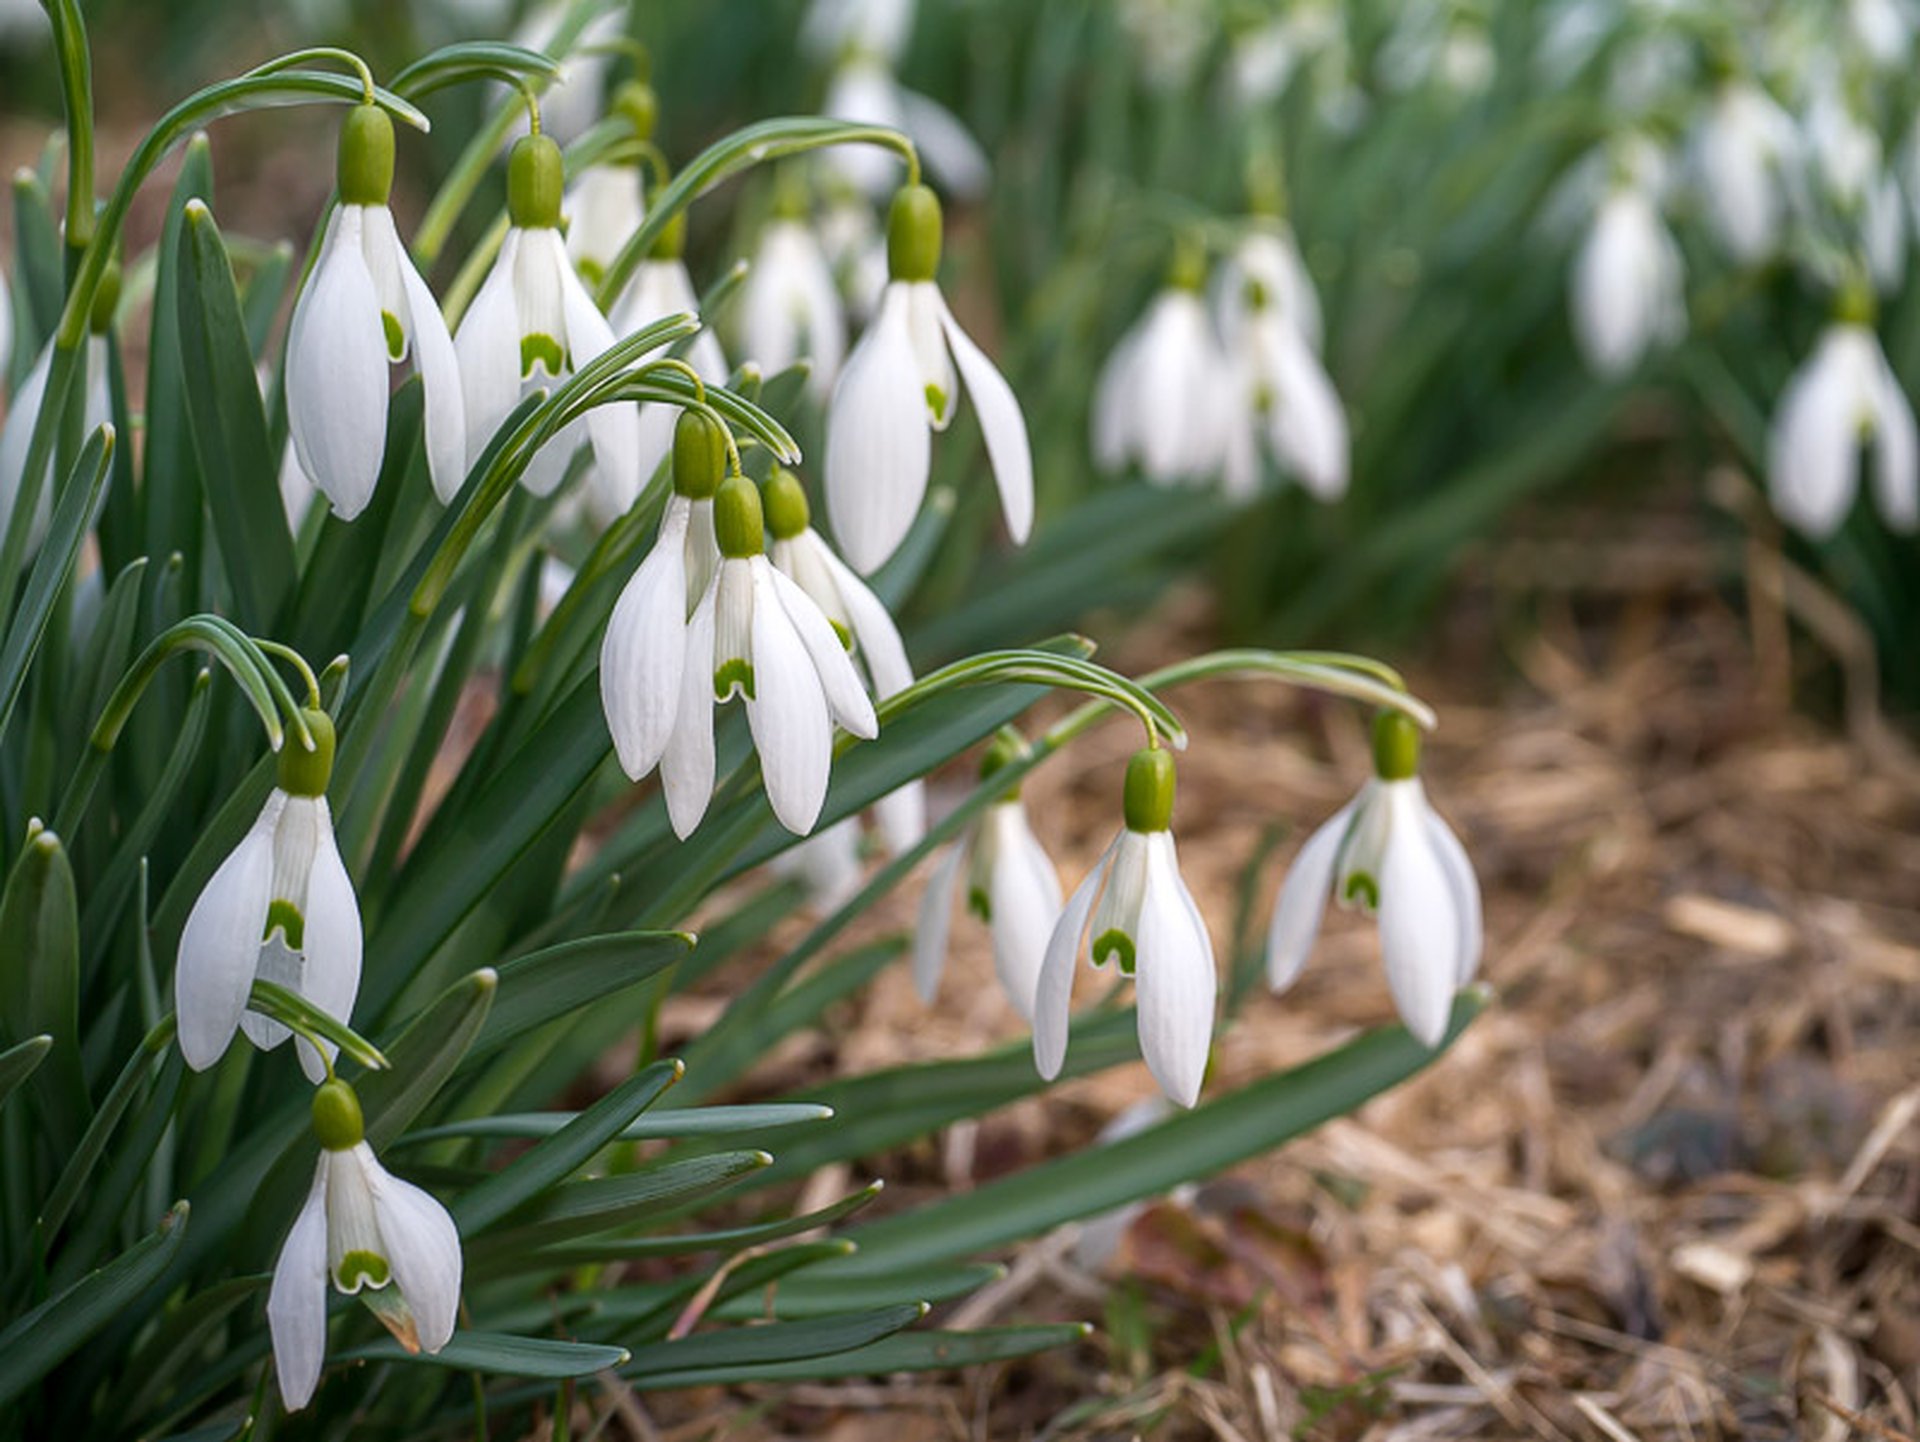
[[1667, 1186]]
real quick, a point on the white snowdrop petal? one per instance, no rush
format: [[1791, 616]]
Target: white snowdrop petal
[[1023, 899], [487, 351], [951, 153], [936, 917], [1896, 450], [1419, 931], [1115, 405], [1001, 422], [878, 444], [686, 766], [1466, 893], [874, 632], [1053, 996], [902, 816], [1812, 449], [433, 358], [337, 372], [1303, 901], [839, 682], [422, 1247], [1308, 424], [17, 437], [613, 428], [297, 1300], [787, 713], [645, 649], [333, 936], [1175, 979], [220, 944]]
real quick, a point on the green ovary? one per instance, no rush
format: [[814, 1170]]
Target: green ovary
[[1115, 943]]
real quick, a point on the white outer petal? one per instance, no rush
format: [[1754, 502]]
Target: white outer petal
[[1053, 996], [1303, 900], [873, 629], [333, 937], [936, 917], [1023, 893], [1896, 450], [1174, 978], [902, 814], [614, 428], [1419, 929], [1308, 426], [1812, 461], [879, 446], [337, 371], [787, 712], [297, 1301], [686, 767], [220, 944], [422, 1249], [952, 155], [17, 436], [645, 649], [433, 358], [839, 682], [1466, 893], [1001, 422], [487, 351]]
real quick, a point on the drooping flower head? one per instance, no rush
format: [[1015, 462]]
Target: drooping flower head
[[1143, 917], [364, 310], [605, 203], [1388, 853], [372, 1236], [1010, 885], [1844, 399], [280, 908], [1627, 278], [1745, 151], [790, 308], [533, 324], [899, 386]]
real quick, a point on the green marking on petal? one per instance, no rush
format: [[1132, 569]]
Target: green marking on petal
[[358, 1268], [1363, 889], [1114, 943], [287, 918], [396, 337], [734, 675], [978, 903], [840, 630], [544, 350], [936, 399], [591, 271]]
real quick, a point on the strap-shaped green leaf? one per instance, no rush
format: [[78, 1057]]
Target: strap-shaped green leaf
[[730, 1239], [689, 1359], [422, 1057], [544, 985], [607, 1203], [17, 1063], [496, 1354], [469, 60], [658, 1124], [237, 463], [40, 974], [559, 1156], [37, 1342], [902, 1352]]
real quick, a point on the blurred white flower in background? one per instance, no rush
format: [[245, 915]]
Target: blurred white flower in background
[[1884, 30], [1264, 58], [1438, 43], [790, 308], [604, 207], [1849, 178], [575, 98], [1745, 148], [1626, 296], [875, 27], [864, 90], [1164, 398]]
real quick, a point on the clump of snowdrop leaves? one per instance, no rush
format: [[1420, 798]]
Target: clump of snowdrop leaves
[[1010, 884], [1627, 278], [372, 1236], [532, 324], [1388, 852], [24, 408], [1842, 400], [899, 386], [280, 908], [754, 634], [366, 308], [1143, 917]]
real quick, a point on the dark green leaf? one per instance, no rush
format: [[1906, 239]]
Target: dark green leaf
[[688, 1361], [493, 1353], [422, 1057]]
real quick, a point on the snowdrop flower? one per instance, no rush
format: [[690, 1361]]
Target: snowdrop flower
[[532, 324], [827, 863], [1884, 29], [1010, 885], [571, 101], [370, 1234], [1265, 278], [1627, 282], [864, 91], [873, 27], [790, 307], [1850, 174], [643, 655], [1741, 151], [1280, 395], [1387, 851], [660, 288], [899, 386], [1145, 918], [861, 622], [856, 252], [363, 309], [1163, 398], [604, 205], [754, 634], [96, 403], [1844, 397], [280, 908]]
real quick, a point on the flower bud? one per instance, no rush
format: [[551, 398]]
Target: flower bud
[[737, 522], [786, 504], [913, 234], [699, 455], [303, 772], [336, 1116], [366, 156], [535, 178], [1396, 746], [1148, 803]]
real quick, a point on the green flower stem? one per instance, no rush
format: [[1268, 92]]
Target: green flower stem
[[293, 60], [76, 88], [298, 1015]]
